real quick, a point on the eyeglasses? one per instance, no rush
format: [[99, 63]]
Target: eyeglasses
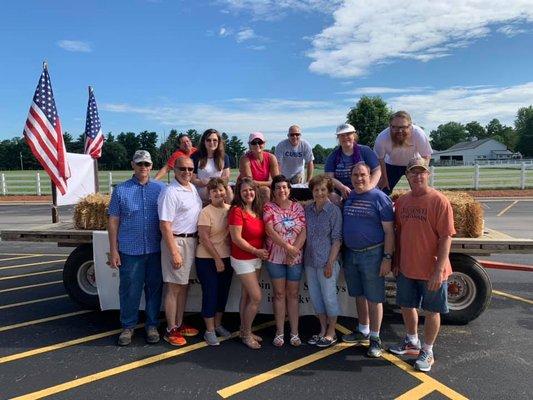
[[256, 142], [295, 134], [400, 128], [188, 169], [143, 164]]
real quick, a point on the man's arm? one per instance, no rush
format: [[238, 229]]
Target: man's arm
[[375, 175], [443, 252], [162, 172], [345, 190], [388, 247], [310, 169], [384, 180], [112, 230], [168, 237], [274, 166]]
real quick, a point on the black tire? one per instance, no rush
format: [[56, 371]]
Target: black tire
[[78, 277], [469, 290]]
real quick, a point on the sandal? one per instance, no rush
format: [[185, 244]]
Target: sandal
[[257, 338], [279, 340], [295, 340], [249, 341]]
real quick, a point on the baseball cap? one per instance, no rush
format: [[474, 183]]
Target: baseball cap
[[142, 156], [256, 135], [417, 162], [344, 128]]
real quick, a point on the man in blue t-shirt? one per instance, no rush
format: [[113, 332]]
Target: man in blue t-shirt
[[368, 235]]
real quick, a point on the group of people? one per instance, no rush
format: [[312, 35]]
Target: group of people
[[158, 233]]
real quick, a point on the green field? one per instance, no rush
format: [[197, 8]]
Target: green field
[[25, 182]]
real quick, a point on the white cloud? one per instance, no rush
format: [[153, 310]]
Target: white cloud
[[223, 31], [276, 9], [511, 30], [381, 90], [245, 34], [75, 45], [367, 33]]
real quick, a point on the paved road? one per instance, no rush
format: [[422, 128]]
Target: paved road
[[54, 347]]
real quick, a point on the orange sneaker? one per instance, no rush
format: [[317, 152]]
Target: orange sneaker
[[187, 330], [174, 337]]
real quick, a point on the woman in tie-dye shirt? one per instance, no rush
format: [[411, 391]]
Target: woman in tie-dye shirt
[[285, 228]]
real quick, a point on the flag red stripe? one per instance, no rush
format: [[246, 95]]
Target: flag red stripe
[[46, 128], [42, 146]]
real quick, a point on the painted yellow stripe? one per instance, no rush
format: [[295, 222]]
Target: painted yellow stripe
[[417, 392], [32, 264], [512, 296], [20, 257], [507, 208], [5, 278], [30, 286], [41, 320], [284, 369], [124, 368], [24, 303]]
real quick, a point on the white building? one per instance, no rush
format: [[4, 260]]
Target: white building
[[468, 153]]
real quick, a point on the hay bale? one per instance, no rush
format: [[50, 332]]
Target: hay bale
[[91, 212], [467, 213]]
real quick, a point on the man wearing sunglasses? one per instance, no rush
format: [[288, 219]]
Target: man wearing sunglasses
[[179, 207], [134, 247], [185, 149], [292, 154]]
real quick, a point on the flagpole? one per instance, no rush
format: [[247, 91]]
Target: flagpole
[[55, 211], [95, 161]]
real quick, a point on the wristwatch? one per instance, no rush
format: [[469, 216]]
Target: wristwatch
[[387, 256]]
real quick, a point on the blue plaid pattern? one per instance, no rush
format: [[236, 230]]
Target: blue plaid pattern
[[136, 207]]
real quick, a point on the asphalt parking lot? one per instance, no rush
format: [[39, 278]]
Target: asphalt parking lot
[[52, 347]]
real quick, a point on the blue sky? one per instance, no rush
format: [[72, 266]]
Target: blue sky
[[244, 65]]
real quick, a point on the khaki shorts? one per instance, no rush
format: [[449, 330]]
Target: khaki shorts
[[187, 249]]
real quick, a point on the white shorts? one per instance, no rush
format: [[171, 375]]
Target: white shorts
[[187, 249], [245, 266]]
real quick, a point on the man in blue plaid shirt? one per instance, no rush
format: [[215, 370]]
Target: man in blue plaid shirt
[[135, 249]]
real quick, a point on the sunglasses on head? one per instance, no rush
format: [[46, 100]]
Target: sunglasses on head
[[188, 169], [256, 142], [143, 164]]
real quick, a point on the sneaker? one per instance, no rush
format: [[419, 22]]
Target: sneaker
[[406, 347], [187, 330], [174, 337], [152, 335], [375, 349], [125, 337], [355, 337], [223, 332], [211, 338], [326, 342], [314, 340], [424, 361]]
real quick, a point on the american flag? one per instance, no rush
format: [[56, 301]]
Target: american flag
[[44, 136], [94, 138]]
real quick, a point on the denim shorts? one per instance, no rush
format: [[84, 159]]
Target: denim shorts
[[361, 271], [284, 271], [414, 293]]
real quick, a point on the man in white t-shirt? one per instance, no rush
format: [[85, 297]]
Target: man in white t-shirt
[[292, 154], [396, 145], [179, 206]]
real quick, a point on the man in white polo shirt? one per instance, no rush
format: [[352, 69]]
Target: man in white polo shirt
[[292, 154], [179, 206]]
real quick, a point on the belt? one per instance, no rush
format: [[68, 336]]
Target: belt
[[186, 235], [367, 248]]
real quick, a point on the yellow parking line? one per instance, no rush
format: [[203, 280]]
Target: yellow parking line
[[124, 368], [507, 208], [32, 264], [512, 296], [24, 303], [41, 320], [5, 278], [30, 286], [284, 369], [20, 257], [417, 392]]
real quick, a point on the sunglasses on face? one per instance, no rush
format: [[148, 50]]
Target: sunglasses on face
[[295, 134], [143, 164], [188, 169], [256, 142]]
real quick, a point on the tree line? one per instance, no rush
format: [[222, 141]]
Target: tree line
[[369, 116]]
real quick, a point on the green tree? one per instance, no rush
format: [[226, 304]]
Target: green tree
[[130, 141], [194, 136], [446, 135], [476, 130], [235, 150], [148, 142], [320, 153], [369, 116], [169, 146], [502, 133], [524, 128], [114, 156]]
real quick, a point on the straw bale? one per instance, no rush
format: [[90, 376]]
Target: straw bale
[[91, 212]]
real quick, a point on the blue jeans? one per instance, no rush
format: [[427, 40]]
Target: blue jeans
[[394, 174], [414, 293], [138, 273], [323, 291], [284, 271], [215, 285], [361, 270]]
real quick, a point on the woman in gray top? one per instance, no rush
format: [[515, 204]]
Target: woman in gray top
[[324, 238]]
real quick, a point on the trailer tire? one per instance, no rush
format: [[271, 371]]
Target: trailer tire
[[78, 276], [469, 290]]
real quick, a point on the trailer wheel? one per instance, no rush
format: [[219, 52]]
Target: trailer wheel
[[469, 289], [79, 277]]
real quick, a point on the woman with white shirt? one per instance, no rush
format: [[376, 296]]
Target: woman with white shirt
[[398, 144]]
